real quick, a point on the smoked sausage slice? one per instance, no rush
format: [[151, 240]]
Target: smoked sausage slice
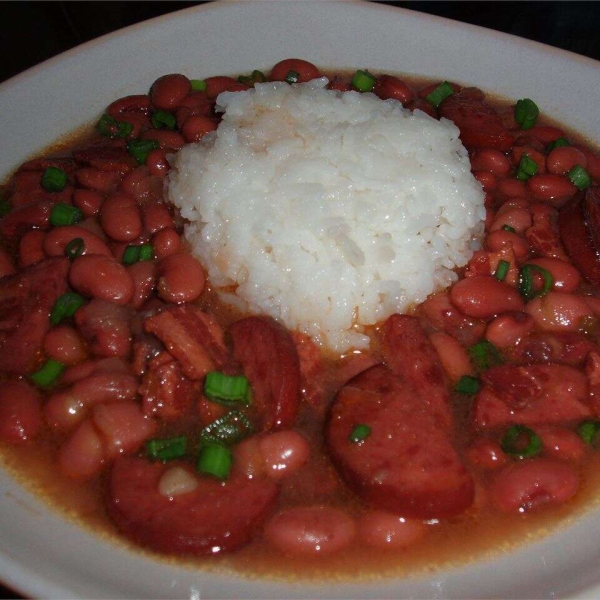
[[407, 464], [214, 517]]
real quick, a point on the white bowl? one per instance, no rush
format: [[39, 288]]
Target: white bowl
[[43, 555]]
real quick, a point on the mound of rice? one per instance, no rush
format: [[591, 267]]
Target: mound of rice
[[328, 211]]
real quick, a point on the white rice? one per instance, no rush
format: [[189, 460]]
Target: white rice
[[328, 211]]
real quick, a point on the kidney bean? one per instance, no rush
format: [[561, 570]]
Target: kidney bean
[[381, 529], [157, 163], [196, 127], [143, 274], [593, 163], [499, 239], [195, 103], [140, 184], [562, 159], [340, 84], [82, 455], [104, 182], [509, 328], [566, 277], [545, 133], [551, 188], [180, 278], [306, 70], [388, 86], [518, 152], [490, 160], [30, 216], [88, 201], [97, 365], [156, 217], [20, 412], [56, 240], [483, 297], [559, 311], [530, 484], [167, 140], [120, 217], [166, 242], [218, 84], [423, 106], [511, 187], [310, 530], [517, 218], [31, 248], [65, 345], [561, 443], [138, 104], [6, 264], [486, 454], [452, 355], [169, 90], [488, 181], [100, 276]]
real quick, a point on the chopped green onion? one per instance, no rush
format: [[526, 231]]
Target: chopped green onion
[[509, 228], [48, 374], [527, 167], [162, 119], [245, 80], [75, 248], [502, 270], [226, 389], [54, 179], [363, 81], [5, 207], [140, 149], [65, 214], [198, 85], [111, 128], [230, 429], [579, 177], [485, 355], [258, 76], [215, 460], [558, 143], [526, 113], [588, 430], [166, 448], [292, 77], [65, 306], [360, 433], [133, 254], [146, 252], [440, 93], [526, 281], [467, 385], [521, 441]]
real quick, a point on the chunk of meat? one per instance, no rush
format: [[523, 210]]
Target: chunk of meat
[[409, 353], [214, 517], [106, 158], [270, 361], [26, 300], [531, 394], [192, 337], [565, 347], [543, 235], [407, 464]]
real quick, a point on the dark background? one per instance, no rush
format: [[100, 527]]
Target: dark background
[[31, 32]]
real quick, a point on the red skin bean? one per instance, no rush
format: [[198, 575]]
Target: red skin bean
[[167, 140], [545, 133], [566, 277], [97, 365], [31, 248], [99, 276], [140, 184], [6, 264], [487, 180], [129, 105], [88, 201], [143, 274], [166, 242], [120, 217], [558, 311], [82, 455], [484, 297], [196, 103], [518, 152], [381, 529], [64, 344], [180, 278], [551, 188], [490, 160], [157, 163], [217, 85], [20, 412], [593, 163], [169, 90], [562, 159], [104, 182], [388, 86], [156, 217], [510, 187], [509, 328], [196, 127], [526, 485], [30, 216], [306, 71], [339, 84], [500, 238], [423, 106], [486, 454], [558, 442], [56, 240]]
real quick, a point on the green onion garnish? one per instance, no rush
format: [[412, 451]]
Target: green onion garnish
[[226, 389], [527, 167], [140, 149], [502, 270], [256, 77], [561, 141], [440, 93], [133, 254], [5, 207], [166, 448], [579, 177], [162, 119], [521, 441], [54, 179], [292, 77], [467, 385], [146, 252], [526, 282], [526, 113], [588, 430], [363, 81], [360, 433], [485, 355], [230, 429], [65, 214], [509, 228], [75, 248], [215, 460], [65, 306], [48, 374], [111, 128], [198, 85]]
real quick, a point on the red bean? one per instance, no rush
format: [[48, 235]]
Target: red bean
[[388, 86], [310, 530], [196, 127], [24, 218], [487, 180], [156, 217], [306, 71], [545, 133], [517, 218], [562, 159], [530, 484], [558, 311], [219, 84], [558, 442], [56, 240], [167, 140], [120, 217], [31, 248], [566, 277], [157, 163], [99, 276], [510, 188], [88, 201], [180, 278], [65, 345], [508, 329], [551, 188], [500, 239], [6, 264], [82, 455], [143, 274], [490, 160], [104, 182], [140, 184], [381, 529], [166, 242], [483, 297], [452, 355], [129, 105], [20, 412], [518, 152], [486, 454], [169, 90]]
